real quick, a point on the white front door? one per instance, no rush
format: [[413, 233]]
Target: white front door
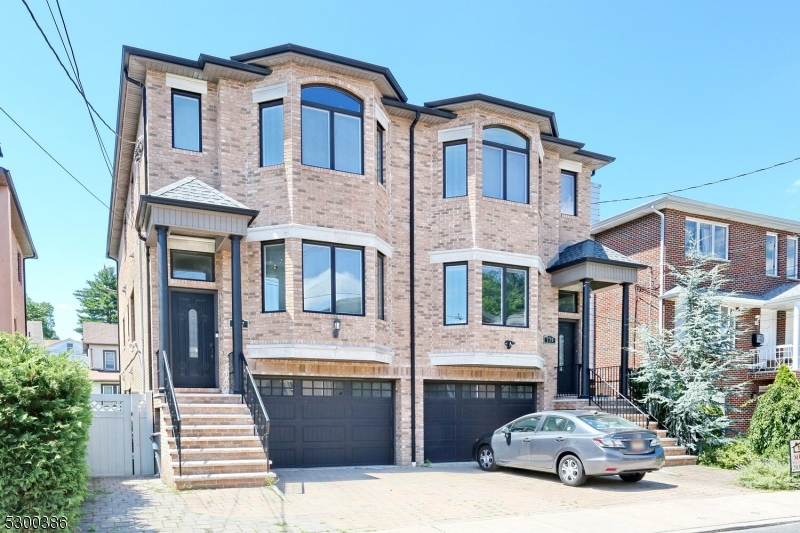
[[769, 328], [789, 328]]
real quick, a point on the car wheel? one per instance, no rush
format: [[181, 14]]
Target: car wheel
[[632, 478], [570, 470], [486, 458]]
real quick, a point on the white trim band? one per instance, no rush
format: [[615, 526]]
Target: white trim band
[[570, 166], [191, 244], [455, 134], [381, 117], [183, 83], [325, 352], [270, 92], [525, 360], [540, 149], [489, 256], [315, 233]]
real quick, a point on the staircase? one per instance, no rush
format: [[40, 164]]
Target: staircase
[[675, 455], [219, 444]]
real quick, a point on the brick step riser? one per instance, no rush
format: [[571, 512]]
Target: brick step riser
[[231, 431], [227, 444], [674, 450], [211, 455], [680, 461], [218, 483], [209, 399], [668, 442], [214, 409], [195, 390], [210, 420], [220, 469]]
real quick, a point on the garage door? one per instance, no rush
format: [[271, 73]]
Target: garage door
[[458, 413], [325, 422]]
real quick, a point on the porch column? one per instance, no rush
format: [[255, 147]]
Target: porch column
[[587, 293], [625, 341], [796, 336], [236, 311], [163, 303]]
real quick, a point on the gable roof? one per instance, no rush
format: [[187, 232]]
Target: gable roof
[[593, 251], [696, 207], [100, 333], [18, 224]]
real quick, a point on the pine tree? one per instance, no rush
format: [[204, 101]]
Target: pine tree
[[98, 301], [686, 370]]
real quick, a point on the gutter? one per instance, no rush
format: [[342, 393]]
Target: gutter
[[660, 271], [413, 325]]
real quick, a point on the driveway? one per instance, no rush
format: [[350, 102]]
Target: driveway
[[457, 497]]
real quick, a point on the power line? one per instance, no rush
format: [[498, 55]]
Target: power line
[[701, 185]]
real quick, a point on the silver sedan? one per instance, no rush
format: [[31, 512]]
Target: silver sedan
[[573, 444]]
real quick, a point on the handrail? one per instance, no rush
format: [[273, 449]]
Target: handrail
[[568, 380], [612, 405], [174, 411], [252, 398]]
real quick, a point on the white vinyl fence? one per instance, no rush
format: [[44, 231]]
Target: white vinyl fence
[[119, 437]]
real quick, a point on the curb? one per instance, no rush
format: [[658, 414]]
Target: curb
[[744, 526]]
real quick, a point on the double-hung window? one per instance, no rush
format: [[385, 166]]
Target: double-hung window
[[274, 261], [455, 293], [791, 257], [186, 131], [455, 169], [772, 254], [569, 188], [706, 238], [505, 295], [271, 119], [505, 165], [380, 133], [333, 279], [331, 129], [109, 360]]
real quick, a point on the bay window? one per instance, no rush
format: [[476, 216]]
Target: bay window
[[505, 165], [505, 295], [455, 294], [331, 129], [333, 279], [274, 279]]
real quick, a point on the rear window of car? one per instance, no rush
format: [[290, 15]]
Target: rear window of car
[[607, 422]]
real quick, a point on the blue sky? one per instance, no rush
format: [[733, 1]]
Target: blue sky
[[680, 92]]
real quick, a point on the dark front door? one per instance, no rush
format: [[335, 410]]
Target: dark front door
[[193, 359], [567, 362]]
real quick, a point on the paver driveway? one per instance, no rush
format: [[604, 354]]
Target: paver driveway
[[443, 498]]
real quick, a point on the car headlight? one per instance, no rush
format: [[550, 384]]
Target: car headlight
[[606, 442]]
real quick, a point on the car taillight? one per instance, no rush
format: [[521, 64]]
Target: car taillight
[[606, 442], [655, 441]]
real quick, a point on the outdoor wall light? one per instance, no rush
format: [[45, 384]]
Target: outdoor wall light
[[337, 325], [509, 343]]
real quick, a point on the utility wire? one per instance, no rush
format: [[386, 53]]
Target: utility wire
[[701, 185]]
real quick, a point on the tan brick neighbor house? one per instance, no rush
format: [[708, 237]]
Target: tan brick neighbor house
[[761, 254], [381, 266]]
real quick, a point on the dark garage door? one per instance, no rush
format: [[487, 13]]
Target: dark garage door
[[326, 422], [458, 413]]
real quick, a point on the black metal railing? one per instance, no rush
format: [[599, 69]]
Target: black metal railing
[[252, 398], [568, 380], [174, 411], [604, 392]]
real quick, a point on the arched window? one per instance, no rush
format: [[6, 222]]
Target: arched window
[[505, 164], [332, 129]]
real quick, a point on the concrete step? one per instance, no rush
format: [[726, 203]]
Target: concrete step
[[213, 409], [219, 481], [671, 451], [668, 441], [195, 419], [201, 390], [680, 460], [207, 398], [662, 433], [218, 442], [217, 454], [226, 466], [226, 430]]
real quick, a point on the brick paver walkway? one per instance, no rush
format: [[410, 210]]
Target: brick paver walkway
[[443, 498]]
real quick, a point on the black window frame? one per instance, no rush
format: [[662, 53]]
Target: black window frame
[[261, 107], [465, 142], [574, 176], [263, 302], [574, 296], [190, 252], [380, 281], [444, 293], [380, 152], [332, 247], [198, 97], [503, 294], [331, 130], [506, 148]]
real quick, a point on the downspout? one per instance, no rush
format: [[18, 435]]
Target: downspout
[[413, 343], [660, 272]]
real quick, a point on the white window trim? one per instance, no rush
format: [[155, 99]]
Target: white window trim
[[270, 93], [381, 117], [773, 274], [487, 256], [570, 166], [727, 236], [314, 233], [796, 253], [115, 369], [454, 134], [187, 84]]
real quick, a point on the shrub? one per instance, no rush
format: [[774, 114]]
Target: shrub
[[44, 429], [768, 473], [732, 456], [776, 419]]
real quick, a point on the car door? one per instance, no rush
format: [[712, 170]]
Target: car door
[[512, 448], [548, 441]]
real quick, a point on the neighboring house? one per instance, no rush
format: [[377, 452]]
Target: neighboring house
[[74, 347], [36, 332], [382, 266], [761, 254], [101, 343], [16, 246]]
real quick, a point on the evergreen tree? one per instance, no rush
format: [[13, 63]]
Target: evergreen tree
[[98, 301], [42, 312], [776, 419], [686, 371]]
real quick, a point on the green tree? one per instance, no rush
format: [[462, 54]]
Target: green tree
[[776, 419], [42, 312], [686, 371], [98, 301]]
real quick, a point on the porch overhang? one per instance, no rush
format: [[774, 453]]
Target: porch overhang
[[589, 260]]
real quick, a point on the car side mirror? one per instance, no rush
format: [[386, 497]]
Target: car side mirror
[[506, 431]]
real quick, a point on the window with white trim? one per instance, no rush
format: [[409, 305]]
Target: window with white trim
[[109, 360], [109, 389], [791, 257], [707, 238], [772, 254]]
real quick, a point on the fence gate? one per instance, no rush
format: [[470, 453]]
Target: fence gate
[[119, 437]]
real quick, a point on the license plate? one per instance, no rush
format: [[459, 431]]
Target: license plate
[[637, 446]]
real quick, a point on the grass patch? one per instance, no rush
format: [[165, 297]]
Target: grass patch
[[768, 473]]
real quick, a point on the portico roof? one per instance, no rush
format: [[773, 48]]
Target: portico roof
[[591, 260]]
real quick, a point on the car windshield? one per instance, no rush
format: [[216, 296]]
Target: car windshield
[[608, 422]]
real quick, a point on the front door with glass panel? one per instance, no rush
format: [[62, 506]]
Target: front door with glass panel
[[567, 380], [193, 359]]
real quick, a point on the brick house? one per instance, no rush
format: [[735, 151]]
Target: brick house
[[384, 271], [16, 246], [761, 256]]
